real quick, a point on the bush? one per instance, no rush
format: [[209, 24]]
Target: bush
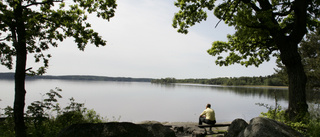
[[40, 121], [309, 126], [314, 128], [6, 126]]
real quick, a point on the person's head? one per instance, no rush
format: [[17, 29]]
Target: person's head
[[208, 106]]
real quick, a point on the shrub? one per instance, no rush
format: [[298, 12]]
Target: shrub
[[40, 121], [309, 126], [6, 126]]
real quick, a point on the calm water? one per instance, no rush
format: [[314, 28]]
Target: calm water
[[140, 101]]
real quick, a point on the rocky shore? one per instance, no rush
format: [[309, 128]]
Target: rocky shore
[[257, 127], [189, 129]]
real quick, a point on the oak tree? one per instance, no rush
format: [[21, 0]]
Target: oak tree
[[33, 26], [263, 28], [309, 49]]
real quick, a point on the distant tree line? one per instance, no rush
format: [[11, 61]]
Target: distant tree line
[[10, 76], [271, 80]]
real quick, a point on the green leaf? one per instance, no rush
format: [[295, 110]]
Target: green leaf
[[46, 23]]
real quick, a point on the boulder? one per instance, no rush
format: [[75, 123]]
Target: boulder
[[159, 130], [184, 131], [116, 129], [236, 127], [113, 129], [261, 127]]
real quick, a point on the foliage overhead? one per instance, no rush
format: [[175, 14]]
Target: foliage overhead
[[256, 23], [46, 23]]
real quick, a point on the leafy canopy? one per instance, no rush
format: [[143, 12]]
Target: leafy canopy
[[256, 22], [48, 22]]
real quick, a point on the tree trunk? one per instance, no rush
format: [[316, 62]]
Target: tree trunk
[[20, 92], [288, 46], [19, 99], [298, 106]]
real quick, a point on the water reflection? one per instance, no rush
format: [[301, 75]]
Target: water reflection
[[280, 93], [260, 92], [164, 102], [270, 93]]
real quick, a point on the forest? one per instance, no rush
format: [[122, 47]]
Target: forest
[[270, 80], [10, 76]]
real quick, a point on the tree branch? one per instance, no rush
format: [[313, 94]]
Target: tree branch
[[258, 26], [288, 28], [265, 5], [41, 3], [5, 38], [254, 6], [218, 23], [233, 11], [300, 20], [283, 13]]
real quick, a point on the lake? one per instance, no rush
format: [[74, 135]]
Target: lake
[[142, 101]]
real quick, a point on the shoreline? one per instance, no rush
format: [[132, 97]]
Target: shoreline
[[246, 86], [188, 129], [183, 124]]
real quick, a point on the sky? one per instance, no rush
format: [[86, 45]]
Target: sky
[[141, 43]]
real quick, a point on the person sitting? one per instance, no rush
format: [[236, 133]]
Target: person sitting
[[207, 116]]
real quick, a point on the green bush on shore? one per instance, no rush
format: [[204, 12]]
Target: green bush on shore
[[39, 119], [309, 126]]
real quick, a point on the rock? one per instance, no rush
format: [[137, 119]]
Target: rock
[[183, 131], [178, 129], [116, 129], [198, 134], [264, 127], [261, 127], [149, 122], [104, 130], [236, 127], [158, 130]]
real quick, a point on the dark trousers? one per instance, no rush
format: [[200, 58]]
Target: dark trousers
[[207, 121]]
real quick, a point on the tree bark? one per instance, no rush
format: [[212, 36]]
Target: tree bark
[[290, 57], [19, 99], [20, 92], [288, 46]]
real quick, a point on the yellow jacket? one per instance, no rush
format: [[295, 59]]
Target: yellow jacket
[[209, 113]]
